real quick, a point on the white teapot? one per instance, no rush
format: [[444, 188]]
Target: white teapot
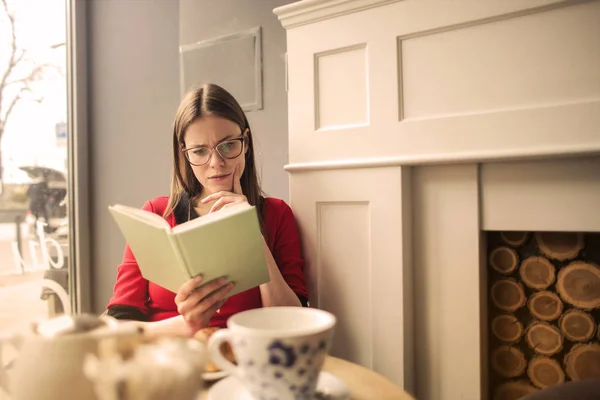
[[49, 364]]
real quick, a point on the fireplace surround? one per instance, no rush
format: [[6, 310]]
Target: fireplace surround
[[415, 133]]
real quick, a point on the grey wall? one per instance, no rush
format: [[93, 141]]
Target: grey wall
[[133, 94], [207, 19]]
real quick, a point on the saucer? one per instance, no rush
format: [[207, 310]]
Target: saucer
[[329, 386], [214, 376]]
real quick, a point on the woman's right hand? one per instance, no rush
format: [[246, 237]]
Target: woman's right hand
[[198, 302]]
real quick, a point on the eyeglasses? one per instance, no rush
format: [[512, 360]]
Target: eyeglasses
[[229, 149]]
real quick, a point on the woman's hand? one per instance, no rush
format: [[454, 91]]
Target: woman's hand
[[225, 198], [197, 304]]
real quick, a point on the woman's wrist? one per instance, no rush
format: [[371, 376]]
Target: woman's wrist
[[174, 326]]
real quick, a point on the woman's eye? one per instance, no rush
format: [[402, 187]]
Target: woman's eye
[[200, 152], [226, 147]]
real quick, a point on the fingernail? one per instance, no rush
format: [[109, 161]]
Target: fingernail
[[198, 278], [231, 284], [222, 280]]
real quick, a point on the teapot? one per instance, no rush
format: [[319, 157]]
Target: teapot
[[50, 359]]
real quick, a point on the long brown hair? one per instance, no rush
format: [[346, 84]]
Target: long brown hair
[[210, 99]]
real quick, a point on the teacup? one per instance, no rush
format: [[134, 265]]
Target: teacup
[[279, 350]]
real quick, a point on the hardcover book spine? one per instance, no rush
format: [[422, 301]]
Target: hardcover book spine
[[178, 254]]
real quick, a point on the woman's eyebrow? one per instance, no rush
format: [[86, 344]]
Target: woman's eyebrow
[[226, 138]]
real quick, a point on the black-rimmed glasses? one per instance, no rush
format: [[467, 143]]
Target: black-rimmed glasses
[[228, 149]]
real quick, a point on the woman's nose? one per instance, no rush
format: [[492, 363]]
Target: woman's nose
[[216, 160]]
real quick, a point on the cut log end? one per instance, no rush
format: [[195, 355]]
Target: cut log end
[[544, 338], [504, 260], [583, 361], [507, 328], [508, 361], [537, 273], [545, 305], [513, 390], [544, 372], [577, 325], [508, 295], [560, 245], [579, 284], [514, 239]]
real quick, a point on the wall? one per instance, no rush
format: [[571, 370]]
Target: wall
[[206, 19], [133, 93]]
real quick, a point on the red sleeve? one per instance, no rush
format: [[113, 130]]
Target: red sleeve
[[287, 251], [131, 289]]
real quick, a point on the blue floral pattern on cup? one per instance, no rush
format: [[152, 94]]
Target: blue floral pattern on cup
[[290, 366]]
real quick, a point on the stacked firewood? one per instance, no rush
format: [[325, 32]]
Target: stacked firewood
[[544, 292]]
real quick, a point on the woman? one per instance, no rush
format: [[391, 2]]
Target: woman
[[213, 167]]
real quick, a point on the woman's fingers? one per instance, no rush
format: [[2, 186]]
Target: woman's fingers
[[237, 186], [222, 202], [205, 308], [198, 293], [222, 193], [216, 196], [187, 288]]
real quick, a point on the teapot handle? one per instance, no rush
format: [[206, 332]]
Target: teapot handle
[[60, 292]]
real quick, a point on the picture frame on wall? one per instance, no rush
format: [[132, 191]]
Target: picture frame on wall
[[233, 61]]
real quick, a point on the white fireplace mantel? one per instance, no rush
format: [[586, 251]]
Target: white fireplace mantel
[[414, 126]]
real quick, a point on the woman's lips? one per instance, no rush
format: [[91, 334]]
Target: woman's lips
[[219, 178]]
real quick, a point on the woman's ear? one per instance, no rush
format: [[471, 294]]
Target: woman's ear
[[247, 142]]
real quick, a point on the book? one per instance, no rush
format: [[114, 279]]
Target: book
[[224, 243]]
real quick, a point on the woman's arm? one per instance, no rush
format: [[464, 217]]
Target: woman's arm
[[130, 292], [287, 286], [276, 292]]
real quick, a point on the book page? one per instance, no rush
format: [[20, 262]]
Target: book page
[[231, 246], [151, 245], [215, 216]]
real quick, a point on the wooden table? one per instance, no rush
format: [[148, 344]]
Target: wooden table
[[363, 383]]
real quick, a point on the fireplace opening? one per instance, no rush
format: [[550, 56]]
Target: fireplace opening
[[543, 310]]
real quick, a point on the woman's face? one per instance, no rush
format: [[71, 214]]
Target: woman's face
[[202, 137]]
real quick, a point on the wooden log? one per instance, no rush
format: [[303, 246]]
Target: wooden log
[[504, 260], [560, 246], [537, 273], [545, 305], [508, 361], [508, 295], [545, 371], [579, 284], [514, 239], [513, 390], [507, 328], [544, 338], [577, 325], [583, 361]]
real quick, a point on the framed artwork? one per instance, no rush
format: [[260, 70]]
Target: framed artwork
[[233, 61]]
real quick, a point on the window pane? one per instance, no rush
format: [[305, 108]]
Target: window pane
[[33, 161]]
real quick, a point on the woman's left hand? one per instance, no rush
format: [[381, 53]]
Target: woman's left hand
[[225, 198]]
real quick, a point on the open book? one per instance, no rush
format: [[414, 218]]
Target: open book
[[224, 243]]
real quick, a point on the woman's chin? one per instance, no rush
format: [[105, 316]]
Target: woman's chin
[[216, 187]]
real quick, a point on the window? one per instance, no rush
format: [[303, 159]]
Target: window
[[35, 226]]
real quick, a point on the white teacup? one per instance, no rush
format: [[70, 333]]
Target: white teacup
[[279, 350]]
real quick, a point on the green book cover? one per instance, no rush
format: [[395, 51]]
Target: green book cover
[[225, 243]]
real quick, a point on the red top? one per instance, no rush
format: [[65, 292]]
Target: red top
[[158, 303]]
